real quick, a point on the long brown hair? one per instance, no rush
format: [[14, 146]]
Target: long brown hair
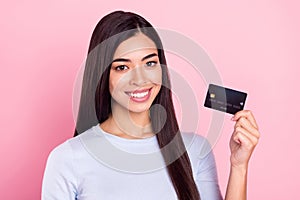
[[95, 99]]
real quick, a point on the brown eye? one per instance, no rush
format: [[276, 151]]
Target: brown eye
[[121, 68]]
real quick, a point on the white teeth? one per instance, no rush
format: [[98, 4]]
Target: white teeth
[[139, 95]]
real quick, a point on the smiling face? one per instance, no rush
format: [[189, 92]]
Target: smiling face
[[135, 74]]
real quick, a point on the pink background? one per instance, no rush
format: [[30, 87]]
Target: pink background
[[254, 45]]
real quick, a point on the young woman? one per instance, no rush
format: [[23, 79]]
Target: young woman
[[128, 144]]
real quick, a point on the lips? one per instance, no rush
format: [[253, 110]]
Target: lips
[[139, 95]]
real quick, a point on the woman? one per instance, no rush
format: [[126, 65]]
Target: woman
[[126, 104]]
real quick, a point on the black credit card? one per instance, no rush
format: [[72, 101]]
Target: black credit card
[[225, 99]]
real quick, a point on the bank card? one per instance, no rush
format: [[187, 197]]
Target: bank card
[[224, 99]]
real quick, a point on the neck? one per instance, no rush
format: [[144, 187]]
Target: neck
[[128, 124]]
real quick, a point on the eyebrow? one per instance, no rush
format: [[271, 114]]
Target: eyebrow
[[128, 60]]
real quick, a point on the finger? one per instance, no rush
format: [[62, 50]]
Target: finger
[[247, 114], [245, 137], [246, 124]]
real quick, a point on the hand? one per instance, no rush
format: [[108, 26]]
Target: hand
[[244, 138]]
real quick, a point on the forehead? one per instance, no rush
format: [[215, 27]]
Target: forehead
[[137, 44]]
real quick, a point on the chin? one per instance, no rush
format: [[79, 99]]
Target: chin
[[138, 109]]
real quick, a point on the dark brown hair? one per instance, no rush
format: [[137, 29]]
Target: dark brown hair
[[95, 102]]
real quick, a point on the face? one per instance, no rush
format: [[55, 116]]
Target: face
[[135, 74]]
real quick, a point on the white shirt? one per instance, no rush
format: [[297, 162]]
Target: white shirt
[[97, 165]]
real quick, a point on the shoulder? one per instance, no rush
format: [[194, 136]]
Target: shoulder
[[196, 144], [203, 164], [62, 152], [66, 150]]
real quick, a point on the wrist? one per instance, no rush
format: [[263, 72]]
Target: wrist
[[239, 166], [240, 170]]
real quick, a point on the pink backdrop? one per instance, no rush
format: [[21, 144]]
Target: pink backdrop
[[254, 45]]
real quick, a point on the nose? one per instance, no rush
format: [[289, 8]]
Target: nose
[[138, 76]]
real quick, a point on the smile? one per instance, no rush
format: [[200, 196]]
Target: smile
[[139, 95]]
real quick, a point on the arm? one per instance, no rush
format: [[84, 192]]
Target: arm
[[237, 184], [203, 161], [242, 143]]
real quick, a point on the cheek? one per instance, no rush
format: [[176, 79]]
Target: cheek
[[156, 76], [116, 83], [112, 84]]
